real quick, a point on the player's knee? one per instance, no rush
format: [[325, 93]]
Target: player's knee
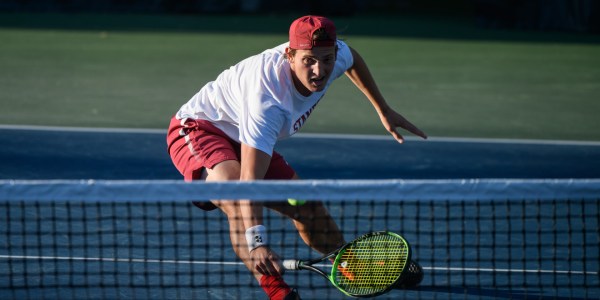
[[229, 207], [227, 170], [313, 210]]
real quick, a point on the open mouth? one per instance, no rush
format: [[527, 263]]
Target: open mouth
[[318, 81]]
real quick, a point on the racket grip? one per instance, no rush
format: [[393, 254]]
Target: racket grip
[[291, 264]]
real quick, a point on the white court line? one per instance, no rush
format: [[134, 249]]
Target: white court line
[[490, 270], [448, 139], [83, 129], [126, 260], [318, 136], [226, 263]]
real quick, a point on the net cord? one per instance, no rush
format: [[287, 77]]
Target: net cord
[[277, 190]]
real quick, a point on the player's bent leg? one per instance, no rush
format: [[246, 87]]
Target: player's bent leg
[[230, 170], [317, 228], [236, 230], [274, 286], [314, 223]]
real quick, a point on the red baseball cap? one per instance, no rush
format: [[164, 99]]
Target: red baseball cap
[[302, 30]]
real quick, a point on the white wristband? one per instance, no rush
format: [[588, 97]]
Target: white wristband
[[256, 236]]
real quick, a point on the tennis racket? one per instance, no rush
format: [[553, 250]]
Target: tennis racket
[[366, 267]]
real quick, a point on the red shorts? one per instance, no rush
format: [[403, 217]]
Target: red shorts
[[197, 144]]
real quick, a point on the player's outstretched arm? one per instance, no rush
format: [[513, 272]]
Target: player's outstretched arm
[[360, 75], [254, 165]]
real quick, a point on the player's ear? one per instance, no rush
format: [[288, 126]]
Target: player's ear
[[289, 53]]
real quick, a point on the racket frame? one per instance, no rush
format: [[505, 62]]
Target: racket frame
[[309, 264]]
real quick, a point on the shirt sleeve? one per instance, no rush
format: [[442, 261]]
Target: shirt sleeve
[[344, 60]]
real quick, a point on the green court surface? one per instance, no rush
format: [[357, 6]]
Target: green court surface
[[447, 76]]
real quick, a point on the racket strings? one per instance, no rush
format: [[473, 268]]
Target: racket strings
[[372, 265]]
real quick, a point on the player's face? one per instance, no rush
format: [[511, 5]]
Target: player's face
[[311, 69]]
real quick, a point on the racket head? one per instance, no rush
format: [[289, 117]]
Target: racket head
[[370, 265]]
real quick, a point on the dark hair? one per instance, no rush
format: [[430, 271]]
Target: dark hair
[[321, 35]]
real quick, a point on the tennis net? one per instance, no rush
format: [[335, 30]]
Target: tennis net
[[475, 239]]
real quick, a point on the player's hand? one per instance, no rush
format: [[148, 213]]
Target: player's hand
[[265, 261], [392, 120]]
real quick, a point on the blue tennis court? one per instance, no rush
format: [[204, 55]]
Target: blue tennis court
[[51, 153], [469, 249]]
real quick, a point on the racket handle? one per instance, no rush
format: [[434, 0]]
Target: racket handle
[[291, 264]]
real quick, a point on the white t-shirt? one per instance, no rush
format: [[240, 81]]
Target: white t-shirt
[[255, 101]]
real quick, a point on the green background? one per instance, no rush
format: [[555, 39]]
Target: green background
[[447, 76]]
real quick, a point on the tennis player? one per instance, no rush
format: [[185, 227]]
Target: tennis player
[[228, 130]]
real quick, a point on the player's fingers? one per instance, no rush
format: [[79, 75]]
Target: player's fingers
[[273, 266], [278, 267], [265, 269], [259, 265], [260, 270], [397, 136], [416, 131]]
